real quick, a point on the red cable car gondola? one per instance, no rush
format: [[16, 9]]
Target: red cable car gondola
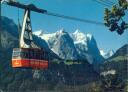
[[34, 58], [28, 55]]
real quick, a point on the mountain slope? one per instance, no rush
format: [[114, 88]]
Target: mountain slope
[[86, 46], [123, 51], [115, 69]]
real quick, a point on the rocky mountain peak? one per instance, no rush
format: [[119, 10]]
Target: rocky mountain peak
[[79, 37]]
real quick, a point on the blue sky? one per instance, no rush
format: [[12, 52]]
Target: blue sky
[[86, 9]]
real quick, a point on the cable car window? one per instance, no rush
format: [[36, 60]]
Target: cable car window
[[46, 56], [43, 55], [37, 55], [34, 55], [30, 54], [26, 55], [22, 54], [16, 54]]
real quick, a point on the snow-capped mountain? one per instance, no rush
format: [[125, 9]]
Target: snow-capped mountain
[[76, 45], [86, 46], [61, 43], [106, 54]]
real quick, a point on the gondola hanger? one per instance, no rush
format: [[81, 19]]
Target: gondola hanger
[[28, 55]]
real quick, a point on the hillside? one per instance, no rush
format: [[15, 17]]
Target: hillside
[[116, 69]]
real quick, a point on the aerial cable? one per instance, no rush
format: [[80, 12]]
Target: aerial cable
[[73, 18], [102, 3], [107, 2], [111, 2], [35, 9]]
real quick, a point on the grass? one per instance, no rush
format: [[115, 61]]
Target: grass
[[71, 62]]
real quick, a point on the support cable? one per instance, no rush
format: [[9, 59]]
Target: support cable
[[74, 18], [102, 3]]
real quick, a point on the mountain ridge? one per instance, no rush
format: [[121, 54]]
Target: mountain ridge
[[83, 45]]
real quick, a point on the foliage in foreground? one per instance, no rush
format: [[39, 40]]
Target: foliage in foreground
[[115, 18]]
